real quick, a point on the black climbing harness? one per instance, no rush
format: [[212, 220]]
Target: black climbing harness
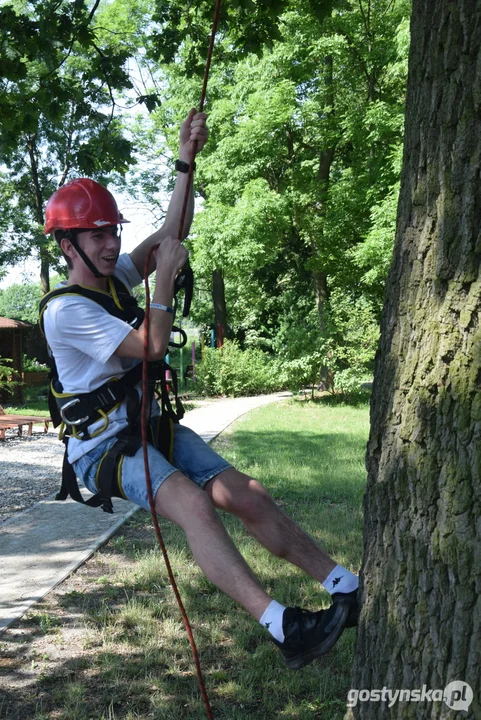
[[76, 413]]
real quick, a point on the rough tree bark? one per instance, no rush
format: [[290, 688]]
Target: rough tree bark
[[421, 574], [326, 158], [218, 298], [37, 205]]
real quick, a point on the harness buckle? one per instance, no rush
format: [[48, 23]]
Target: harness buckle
[[67, 405]]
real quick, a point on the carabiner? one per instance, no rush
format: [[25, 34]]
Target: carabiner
[[71, 403]]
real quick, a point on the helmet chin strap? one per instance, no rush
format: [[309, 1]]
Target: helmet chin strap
[[86, 260], [70, 236]]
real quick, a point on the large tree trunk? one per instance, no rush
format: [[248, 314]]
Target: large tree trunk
[[421, 575]]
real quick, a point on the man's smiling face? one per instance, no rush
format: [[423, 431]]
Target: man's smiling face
[[101, 246]]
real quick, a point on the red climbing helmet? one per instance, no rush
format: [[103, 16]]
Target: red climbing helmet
[[81, 203]]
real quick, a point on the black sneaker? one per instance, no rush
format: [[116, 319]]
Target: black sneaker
[[350, 601], [308, 635]]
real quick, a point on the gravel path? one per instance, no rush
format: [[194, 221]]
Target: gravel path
[[30, 470]]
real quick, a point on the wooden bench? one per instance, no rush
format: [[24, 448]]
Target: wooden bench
[[7, 422]]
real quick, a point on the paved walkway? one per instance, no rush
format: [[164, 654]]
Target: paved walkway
[[41, 546]]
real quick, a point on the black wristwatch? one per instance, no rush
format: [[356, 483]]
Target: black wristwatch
[[182, 166]]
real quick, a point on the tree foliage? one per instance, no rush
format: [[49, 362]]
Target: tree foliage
[[67, 125], [299, 181], [300, 178], [20, 302]]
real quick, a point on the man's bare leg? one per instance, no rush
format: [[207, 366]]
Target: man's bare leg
[[241, 495], [300, 635], [181, 501]]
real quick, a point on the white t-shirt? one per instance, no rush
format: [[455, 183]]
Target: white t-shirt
[[83, 337]]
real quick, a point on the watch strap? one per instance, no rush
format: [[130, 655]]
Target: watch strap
[[182, 166]]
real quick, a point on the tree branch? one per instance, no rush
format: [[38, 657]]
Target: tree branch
[[93, 11], [366, 20], [68, 148], [356, 52], [107, 80], [31, 147]]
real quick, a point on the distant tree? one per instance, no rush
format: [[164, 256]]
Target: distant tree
[[59, 73], [20, 302], [64, 63], [299, 180]]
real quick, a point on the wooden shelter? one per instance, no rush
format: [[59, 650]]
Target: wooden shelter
[[11, 346]]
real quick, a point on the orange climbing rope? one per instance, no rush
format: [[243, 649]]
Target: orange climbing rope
[[145, 393]]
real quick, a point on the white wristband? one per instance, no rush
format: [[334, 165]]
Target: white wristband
[[159, 306]]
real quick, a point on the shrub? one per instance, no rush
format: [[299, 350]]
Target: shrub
[[234, 372], [303, 371], [33, 365], [7, 375], [348, 382], [340, 357], [354, 342]]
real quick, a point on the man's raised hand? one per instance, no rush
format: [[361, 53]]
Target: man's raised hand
[[193, 129], [171, 256]]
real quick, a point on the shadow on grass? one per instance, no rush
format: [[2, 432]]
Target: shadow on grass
[[355, 400], [134, 660], [145, 669]]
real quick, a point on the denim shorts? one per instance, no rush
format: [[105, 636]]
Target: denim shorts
[[192, 456]]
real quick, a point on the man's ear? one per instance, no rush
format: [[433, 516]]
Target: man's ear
[[67, 248]]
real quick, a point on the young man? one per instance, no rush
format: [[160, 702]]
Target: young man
[[91, 346]]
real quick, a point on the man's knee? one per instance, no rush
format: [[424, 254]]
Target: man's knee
[[243, 496], [256, 503], [180, 500]]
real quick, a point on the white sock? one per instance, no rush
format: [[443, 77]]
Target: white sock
[[272, 620], [340, 580]]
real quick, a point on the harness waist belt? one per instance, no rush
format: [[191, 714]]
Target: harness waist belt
[[83, 409]]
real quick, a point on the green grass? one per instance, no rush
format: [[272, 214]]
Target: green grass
[[35, 402], [310, 456], [135, 661]]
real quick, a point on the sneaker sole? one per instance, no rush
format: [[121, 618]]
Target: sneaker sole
[[339, 621]]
